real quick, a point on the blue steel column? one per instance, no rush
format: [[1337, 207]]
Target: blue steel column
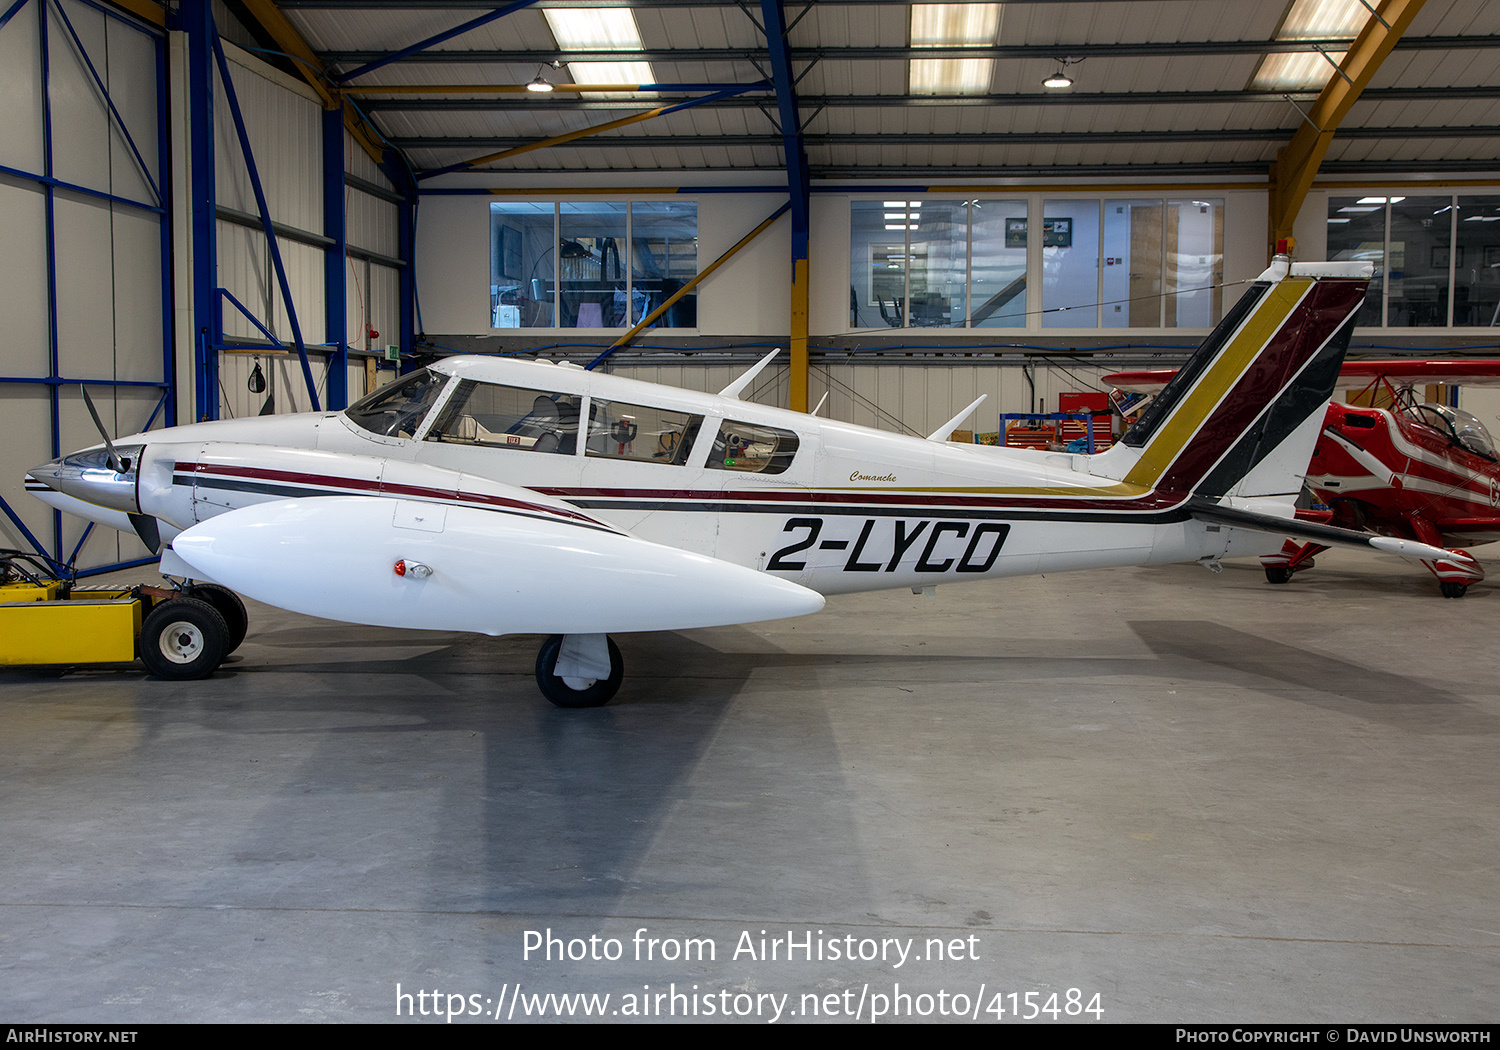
[[54, 365], [197, 22], [335, 261], [164, 177], [798, 190]]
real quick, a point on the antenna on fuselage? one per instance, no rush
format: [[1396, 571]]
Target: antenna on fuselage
[[942, 432], [737, 387], [821, 400]]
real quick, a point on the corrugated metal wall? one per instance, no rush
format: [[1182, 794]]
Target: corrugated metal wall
[[284, 123], [100, 261]]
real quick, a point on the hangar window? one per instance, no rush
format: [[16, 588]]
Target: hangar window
[[592, 264], [508, 417], [618, 430]]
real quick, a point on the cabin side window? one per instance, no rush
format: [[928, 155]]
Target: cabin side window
[[512, 417], [618, 430], [752, 448]]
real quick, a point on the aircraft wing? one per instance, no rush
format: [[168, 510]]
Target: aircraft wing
[[1329, 535], [1355, 375]]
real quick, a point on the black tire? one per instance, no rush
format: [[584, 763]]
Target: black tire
[[229, 606], [1454, 590], [182, 639], [561, 693], [1278, 574]]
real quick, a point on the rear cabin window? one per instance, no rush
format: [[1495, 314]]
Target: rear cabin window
[[752, 448], [510, 417], [618, 430]]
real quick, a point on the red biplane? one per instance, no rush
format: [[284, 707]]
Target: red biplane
[[1417, 471]]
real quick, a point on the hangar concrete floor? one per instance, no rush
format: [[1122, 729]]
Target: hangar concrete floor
[[1196, 797]]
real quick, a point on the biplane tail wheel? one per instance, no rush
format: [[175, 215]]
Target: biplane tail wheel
[[1454, 590], [576, 692], [1278, 574]]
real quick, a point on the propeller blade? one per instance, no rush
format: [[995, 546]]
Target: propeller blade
[[147, 529], [116, 464]]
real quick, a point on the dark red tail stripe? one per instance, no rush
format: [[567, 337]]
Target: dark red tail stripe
[[1313, 323]]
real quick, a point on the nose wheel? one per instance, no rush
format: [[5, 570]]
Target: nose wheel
[[591, 665], [183, 639]]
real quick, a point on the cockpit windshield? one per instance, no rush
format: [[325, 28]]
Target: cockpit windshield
[[1462, 427], [397, 410]]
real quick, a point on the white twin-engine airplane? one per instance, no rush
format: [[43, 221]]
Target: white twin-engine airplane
[[503, 496]]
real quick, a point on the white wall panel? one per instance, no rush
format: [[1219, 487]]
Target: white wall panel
[[80, 120], [304, 271], [244, 274], [750, 294], [138, 276], [23, 276], [131, 54], [370, 222], [85, 288], [20, 87], [285, 130]]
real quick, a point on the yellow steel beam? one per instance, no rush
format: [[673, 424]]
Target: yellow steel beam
[[797, 400], [1297, 162], [145, 10], [290, 41], [651, 318], [558, 140]]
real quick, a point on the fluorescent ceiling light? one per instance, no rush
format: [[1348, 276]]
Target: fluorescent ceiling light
[[1359, 210], [1379, 200], [1338, 220], [952, 25]]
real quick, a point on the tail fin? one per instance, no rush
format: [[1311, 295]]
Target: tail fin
[[1242, 416]]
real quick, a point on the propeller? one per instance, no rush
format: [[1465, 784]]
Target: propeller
[[146, 527]]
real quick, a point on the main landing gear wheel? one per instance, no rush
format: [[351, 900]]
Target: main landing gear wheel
[[229, 606], [1454, 590], [182, 639], [1278, 574], [577, 692]]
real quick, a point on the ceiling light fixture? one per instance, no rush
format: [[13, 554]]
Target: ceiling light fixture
[[539, 83], [1060, 79]]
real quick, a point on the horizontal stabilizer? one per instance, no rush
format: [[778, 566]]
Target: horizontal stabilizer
[[417, 564], [1329, 535]]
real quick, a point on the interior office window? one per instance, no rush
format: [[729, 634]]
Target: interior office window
[[1421, 242], [521, 251], [1194, 264], [663, 258], [878, 263], [587, 264], [997, 264], [1163, 263], [618, 430], [592, 285], [937, 264], [1070, 264], [1356, 233], [1476, 258]]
